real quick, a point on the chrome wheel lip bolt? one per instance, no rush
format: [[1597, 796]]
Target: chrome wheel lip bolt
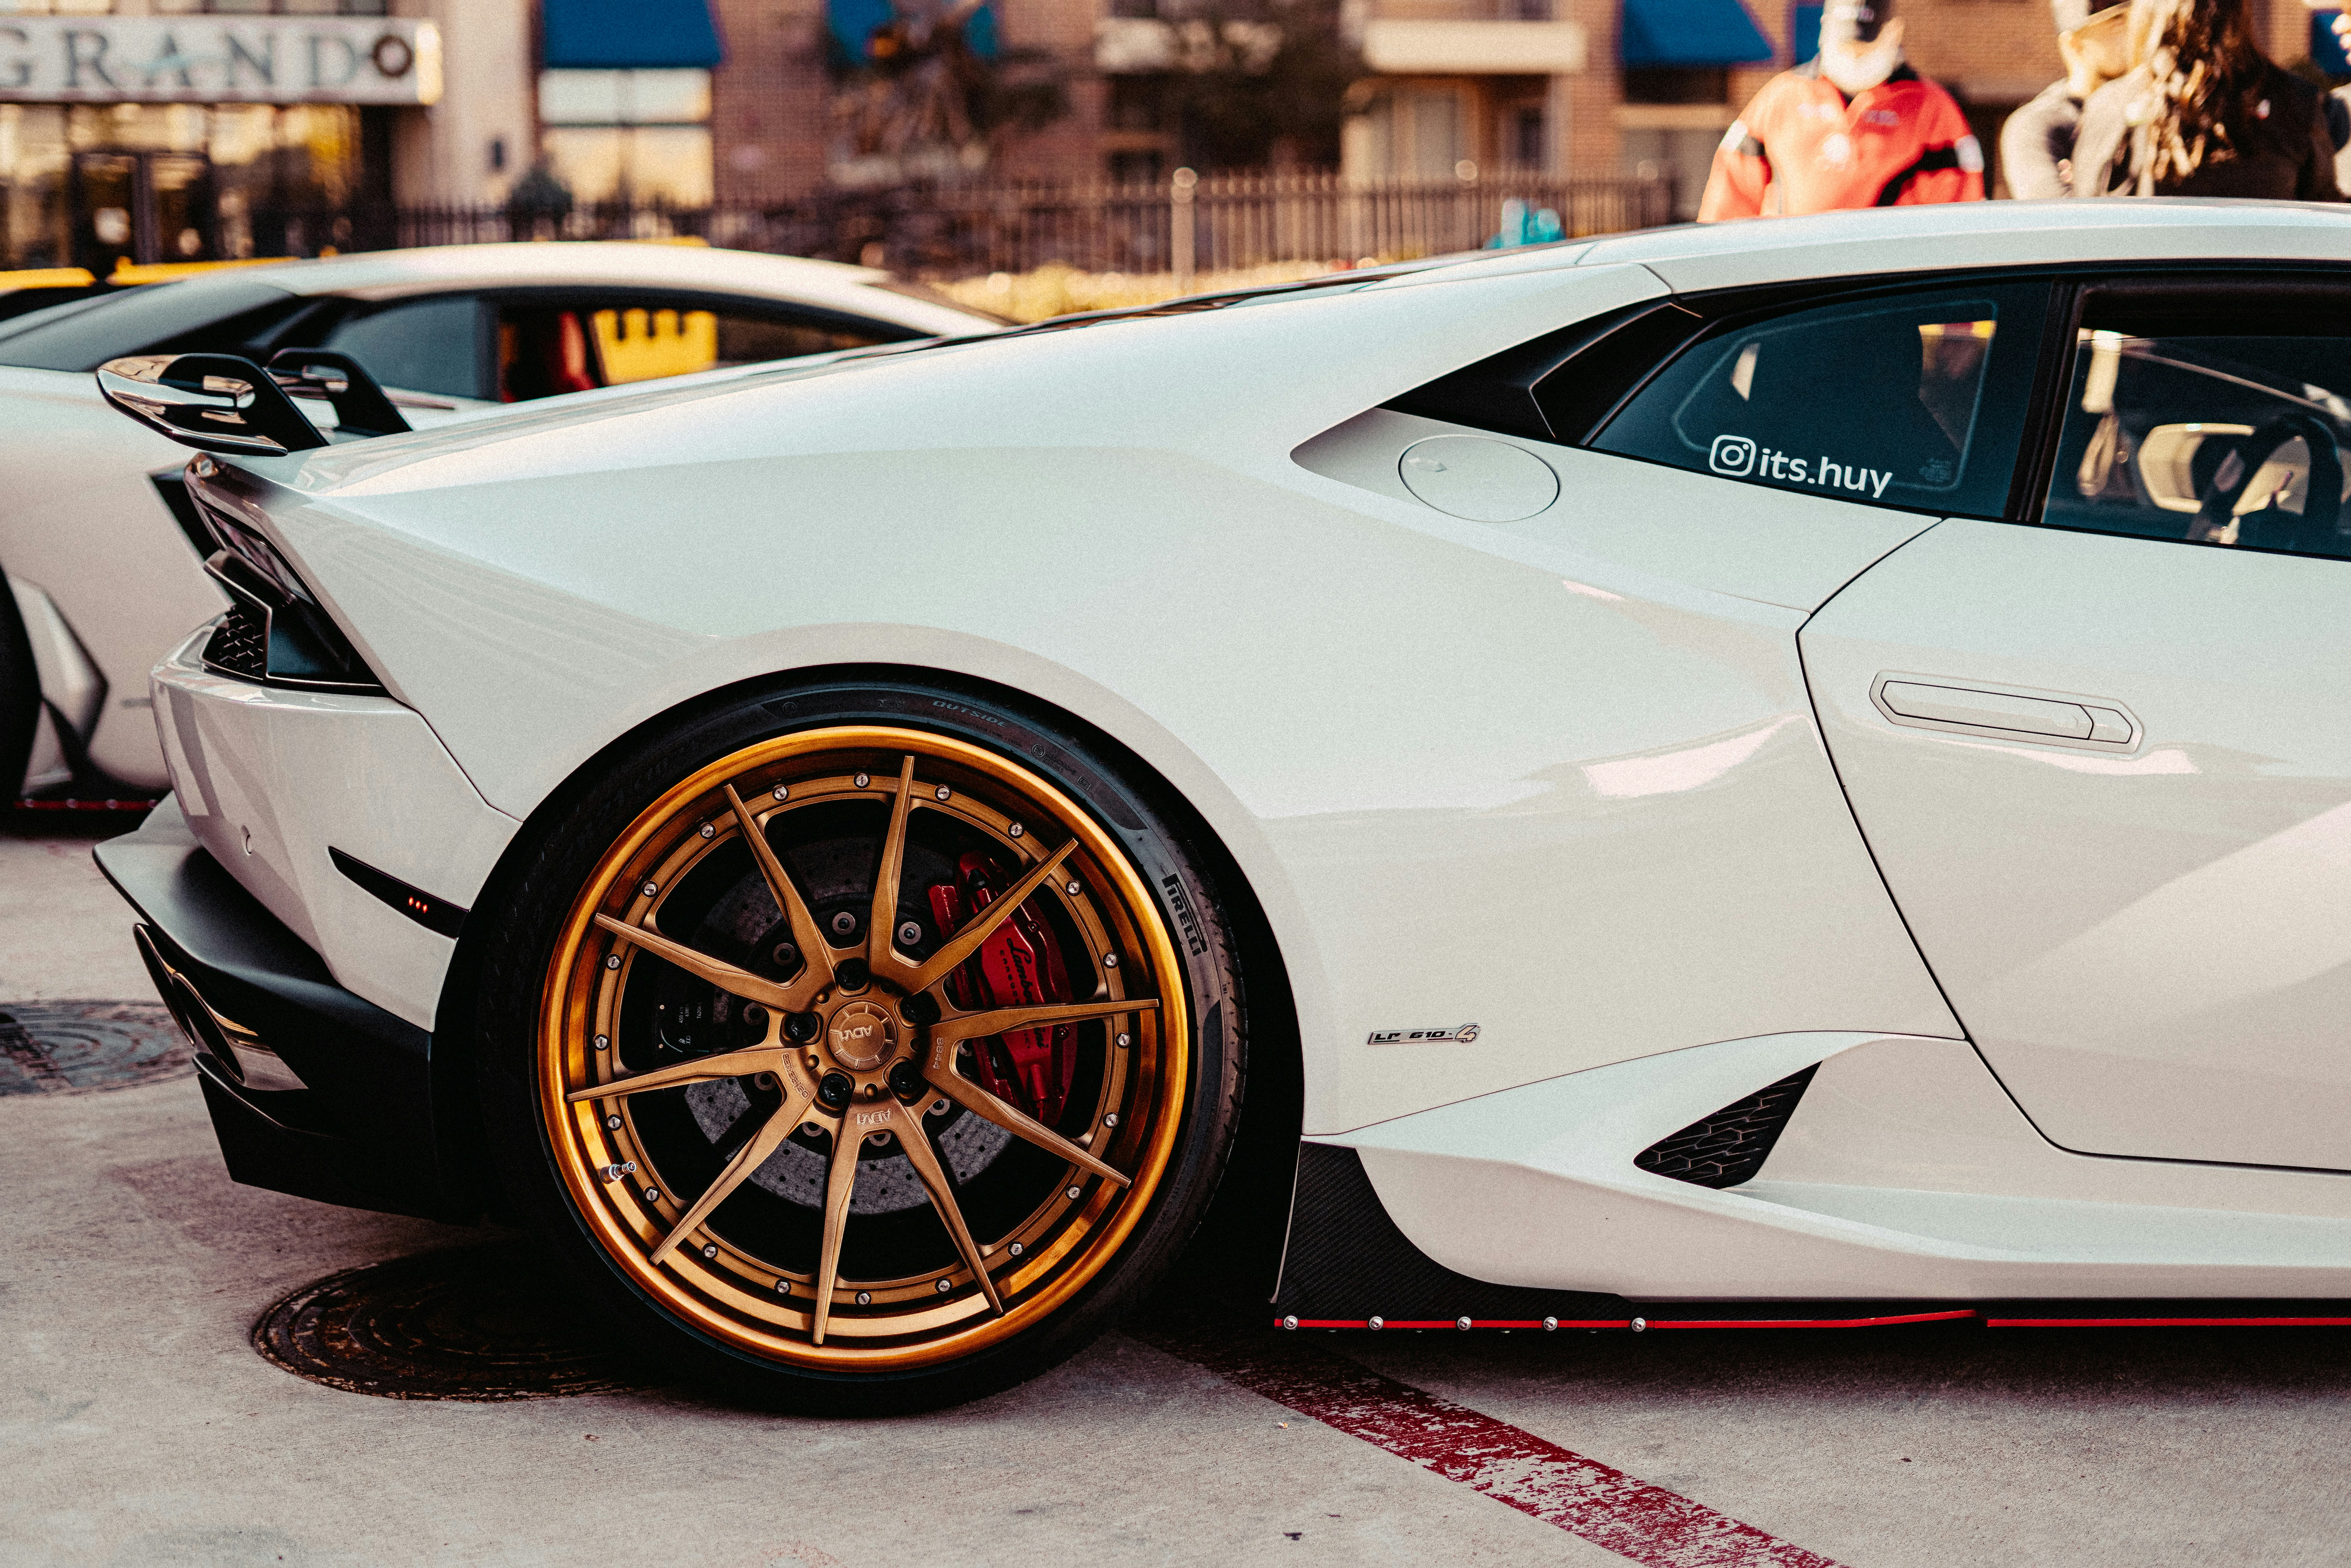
[[1551, 1325], [1124, 1041], [612, 960], [1110, 1119], [710, 1249], [783, 1287], [1461, 1323], [649, 889], [1014, 831], [603, 1042], [1018, 1248], [612, 1124], [781, 792], [943, 793], [652, 1195], [1290, 1322], [709, 830], [945, 1286], [1073, 1193], [863, 779], [864, 1298], [1379, 1322]]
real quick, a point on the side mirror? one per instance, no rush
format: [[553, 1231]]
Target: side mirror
[[214, 402], [361, 406]]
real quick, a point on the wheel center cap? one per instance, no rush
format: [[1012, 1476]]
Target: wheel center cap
[[861, 1034]]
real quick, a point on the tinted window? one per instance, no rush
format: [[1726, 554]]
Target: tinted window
[[2221, 440], [1913, 401], [218, 315], [548, 346], [422, 345]]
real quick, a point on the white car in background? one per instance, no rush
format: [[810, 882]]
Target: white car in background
[[103, 559], [1788, 772]]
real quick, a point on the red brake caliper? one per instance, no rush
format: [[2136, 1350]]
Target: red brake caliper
[[1018, 966]]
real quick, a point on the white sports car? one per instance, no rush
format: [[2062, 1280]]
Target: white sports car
[[1684, 777], [94, 529]]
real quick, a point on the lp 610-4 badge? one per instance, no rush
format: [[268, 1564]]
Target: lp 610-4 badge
[[1462, 1036]]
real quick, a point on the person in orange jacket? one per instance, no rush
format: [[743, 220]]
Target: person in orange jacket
[[1854, 127]]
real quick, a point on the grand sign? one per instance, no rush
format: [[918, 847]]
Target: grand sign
[[219, 59]]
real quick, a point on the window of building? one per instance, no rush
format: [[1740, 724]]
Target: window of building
[[640, 136]]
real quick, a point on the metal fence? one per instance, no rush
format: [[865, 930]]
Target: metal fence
[[1217, 222]]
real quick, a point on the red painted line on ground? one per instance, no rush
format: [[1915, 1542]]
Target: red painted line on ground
[[1597, 1502], [1808, 1323], [2167, 1322]]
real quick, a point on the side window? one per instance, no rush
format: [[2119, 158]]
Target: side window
[[2213, 439], [1915, 401], [430, 345], [545, 348]]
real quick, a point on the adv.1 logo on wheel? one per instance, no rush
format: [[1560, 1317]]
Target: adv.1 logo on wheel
[[1732, 454]]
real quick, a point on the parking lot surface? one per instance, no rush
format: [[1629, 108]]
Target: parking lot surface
[[138, 1424]]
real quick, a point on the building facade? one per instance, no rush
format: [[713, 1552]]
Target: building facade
[[138, 131]]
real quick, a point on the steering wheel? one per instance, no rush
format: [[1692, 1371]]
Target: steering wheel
[[2321, 501]]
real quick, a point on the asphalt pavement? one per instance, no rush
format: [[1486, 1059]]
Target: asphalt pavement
[[138, 1424]]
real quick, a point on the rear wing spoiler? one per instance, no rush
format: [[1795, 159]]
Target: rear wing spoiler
[[226, 404]]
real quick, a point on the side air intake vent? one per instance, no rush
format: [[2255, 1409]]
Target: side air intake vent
[[241, 646], [1728, 1147]]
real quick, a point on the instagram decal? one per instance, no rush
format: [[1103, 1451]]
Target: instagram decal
[[1739, 457]]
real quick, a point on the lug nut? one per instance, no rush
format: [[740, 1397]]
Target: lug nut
[[853, 975], [835, 1091], [909, 933], [801, 1028], [919, 1010], [906, 1082]]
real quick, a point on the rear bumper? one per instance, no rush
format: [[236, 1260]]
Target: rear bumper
[[313, 1091]]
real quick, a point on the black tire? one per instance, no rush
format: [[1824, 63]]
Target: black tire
[[535, 1140], [20, 699]]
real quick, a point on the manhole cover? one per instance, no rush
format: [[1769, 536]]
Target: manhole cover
[[71, 1048], [480, 1323]]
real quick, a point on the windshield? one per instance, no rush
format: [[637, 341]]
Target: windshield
[[214, 314]]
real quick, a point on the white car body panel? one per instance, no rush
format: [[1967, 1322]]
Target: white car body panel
[[2192, 887], [81, 521], [1560, 776], [269, 778], [1905, 1172]]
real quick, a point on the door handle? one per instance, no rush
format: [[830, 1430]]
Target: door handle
[[1924, 703]]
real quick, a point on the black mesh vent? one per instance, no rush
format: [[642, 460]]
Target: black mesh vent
[[241, 646], [1728, 1147]]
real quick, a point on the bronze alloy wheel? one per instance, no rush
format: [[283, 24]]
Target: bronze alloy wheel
[[865, 1051]]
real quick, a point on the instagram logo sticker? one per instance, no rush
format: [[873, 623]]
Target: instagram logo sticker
[[1732, 454]]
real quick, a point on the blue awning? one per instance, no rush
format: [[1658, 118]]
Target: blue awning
[[1691, 33], [630, 35]]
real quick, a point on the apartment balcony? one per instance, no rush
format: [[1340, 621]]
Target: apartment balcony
[[1402, 46]]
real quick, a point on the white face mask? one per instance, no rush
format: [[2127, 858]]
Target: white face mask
[[1857, 70]]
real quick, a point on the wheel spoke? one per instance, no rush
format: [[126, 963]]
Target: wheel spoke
[[702, 966], [967, 941], [701, 1069], [979, 1026], [815, 952], [749, 1158], [944, 1078], [838, 1183], [926, 1161], [882, 924]]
